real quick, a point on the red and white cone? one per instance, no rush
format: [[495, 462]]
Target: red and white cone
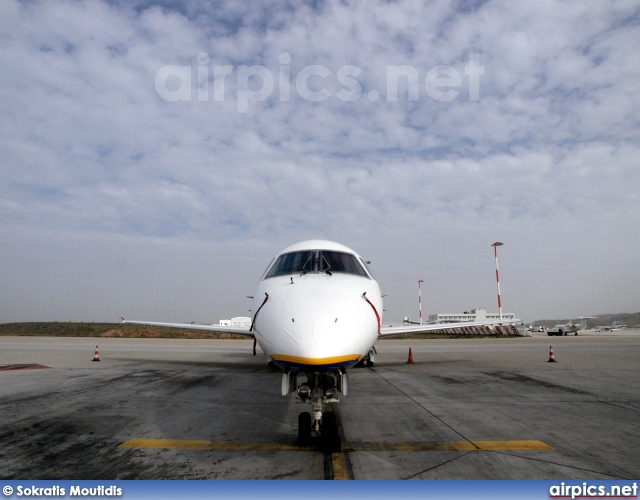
[[96, 356], [552, 358], [410, 360]]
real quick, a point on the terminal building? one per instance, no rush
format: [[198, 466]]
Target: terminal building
[[478, 314], [239, 321]]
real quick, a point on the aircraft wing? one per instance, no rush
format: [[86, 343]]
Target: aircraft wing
[[238, 330], [401, 330]]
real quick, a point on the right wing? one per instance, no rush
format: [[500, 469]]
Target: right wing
[[401, 330], [238, 330]]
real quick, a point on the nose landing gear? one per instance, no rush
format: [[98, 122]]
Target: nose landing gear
[[320, 390]]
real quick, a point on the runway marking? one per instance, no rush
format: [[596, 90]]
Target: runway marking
[[522, 445], [340, 467], [338, 459], [180, 444], [513, 445], [31, 366]]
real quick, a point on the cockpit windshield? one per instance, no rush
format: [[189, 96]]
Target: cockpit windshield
[[292, 263], [316, 261], [339, 262]]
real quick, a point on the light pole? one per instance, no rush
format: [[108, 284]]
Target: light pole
[[420, 299], [495, 253]]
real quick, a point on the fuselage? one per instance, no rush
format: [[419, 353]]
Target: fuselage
[[568, 327], [317, 308]]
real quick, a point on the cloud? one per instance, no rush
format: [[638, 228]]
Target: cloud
[[543, 158]]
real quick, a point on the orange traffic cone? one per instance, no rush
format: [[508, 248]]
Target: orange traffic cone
[[96, 356], [552, 358], [410, 360]]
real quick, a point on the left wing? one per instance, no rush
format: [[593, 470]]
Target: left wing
[[238, 330], [400, 330]]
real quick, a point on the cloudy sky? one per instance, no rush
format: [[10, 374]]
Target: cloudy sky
[[157, 154]]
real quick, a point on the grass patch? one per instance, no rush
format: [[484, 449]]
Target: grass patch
[[69, 329]]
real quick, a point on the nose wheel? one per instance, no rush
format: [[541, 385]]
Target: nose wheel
[[329, 435], [304, 429]]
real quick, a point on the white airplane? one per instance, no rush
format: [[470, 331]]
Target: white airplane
[[610, 328], [563, 329], [318, 312]]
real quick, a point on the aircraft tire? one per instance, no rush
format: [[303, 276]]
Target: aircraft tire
[[330, 436], [304, 429]]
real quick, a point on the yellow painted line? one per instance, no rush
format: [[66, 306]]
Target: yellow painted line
[[339, 462], [340, 469], [411, 446], [512, 445], [181, 444], [448, 446]]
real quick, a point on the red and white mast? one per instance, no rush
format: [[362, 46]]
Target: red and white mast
[[495, 252], [420, 299]]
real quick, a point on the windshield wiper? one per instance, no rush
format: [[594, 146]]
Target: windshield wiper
[[328, 266], [305, 271]]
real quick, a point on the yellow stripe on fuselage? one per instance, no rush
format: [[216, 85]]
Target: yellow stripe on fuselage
[[299, 360]]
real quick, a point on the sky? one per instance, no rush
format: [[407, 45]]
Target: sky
[[155, 155]]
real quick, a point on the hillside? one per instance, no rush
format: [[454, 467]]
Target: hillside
[[69, 329]]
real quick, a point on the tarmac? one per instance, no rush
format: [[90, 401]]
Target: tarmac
[[477, 408]]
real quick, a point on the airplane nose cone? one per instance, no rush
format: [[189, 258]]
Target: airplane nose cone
[[320, 320], [345, 327], [327, 319]]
